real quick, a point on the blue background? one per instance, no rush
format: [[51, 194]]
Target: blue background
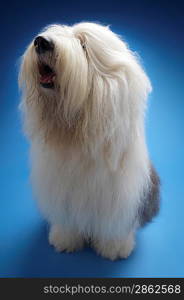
[[154, 30]]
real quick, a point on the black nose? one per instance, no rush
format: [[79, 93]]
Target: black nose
[[43, 44]]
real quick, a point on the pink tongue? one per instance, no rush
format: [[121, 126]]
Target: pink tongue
[[47, 78]]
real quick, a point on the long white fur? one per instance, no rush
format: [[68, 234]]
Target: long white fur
[[91, 185]]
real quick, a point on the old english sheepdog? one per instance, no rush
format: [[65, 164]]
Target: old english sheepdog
[[84, 99]]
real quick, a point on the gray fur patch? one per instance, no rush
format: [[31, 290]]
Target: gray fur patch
[[150, 205]]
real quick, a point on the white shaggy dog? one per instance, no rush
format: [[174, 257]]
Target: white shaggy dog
[[84, 97]]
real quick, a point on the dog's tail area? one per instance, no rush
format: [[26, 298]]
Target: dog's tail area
[[150, 205]]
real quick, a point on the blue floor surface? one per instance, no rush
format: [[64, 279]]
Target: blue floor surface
[[155, 33]]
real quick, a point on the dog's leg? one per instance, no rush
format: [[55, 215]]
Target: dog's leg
[[65, 239], [115, 248]]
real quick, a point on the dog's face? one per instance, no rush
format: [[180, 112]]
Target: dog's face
[[60, 59], [55, 61], [63, 60], [82, 77]]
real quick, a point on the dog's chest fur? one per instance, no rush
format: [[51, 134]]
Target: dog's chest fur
[[80, 192]]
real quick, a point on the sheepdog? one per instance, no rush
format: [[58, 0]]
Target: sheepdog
[[84, 95]]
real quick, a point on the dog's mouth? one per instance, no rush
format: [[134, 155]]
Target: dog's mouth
[[47, 75]]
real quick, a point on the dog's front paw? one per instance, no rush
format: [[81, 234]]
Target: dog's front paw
[[65, 240], [115, 249]]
